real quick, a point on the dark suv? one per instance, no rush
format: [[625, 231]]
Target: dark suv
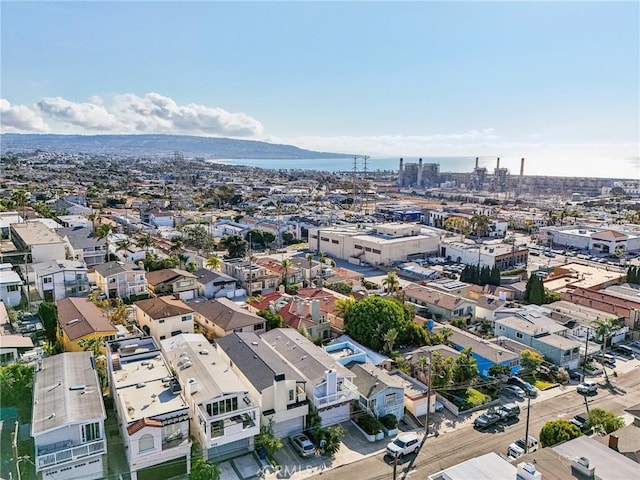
[[529, 389]]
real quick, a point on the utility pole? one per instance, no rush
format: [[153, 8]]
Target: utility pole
[[426, 422], [526, 431], [586, 353]]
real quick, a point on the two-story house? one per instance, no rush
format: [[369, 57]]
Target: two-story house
[[83, 245], [440, 304], [290, 275], [225, 416], [161, 218], [68, 418], [121, 280], [543, 334], [328, 384], [254, 278], [380, 393], [10, 285], [163, 317], [58, 279], [42, 243], [279, 388], [215, 284], [173, 281], [153, 414], [221, 316], [79, 319]]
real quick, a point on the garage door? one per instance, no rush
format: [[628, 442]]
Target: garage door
[[288, 427], [339, 414], [229, 450]]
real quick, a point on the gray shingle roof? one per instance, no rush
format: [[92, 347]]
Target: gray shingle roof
[[256, 359], [225, 313]]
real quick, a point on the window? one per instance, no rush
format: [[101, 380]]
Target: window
[[335, 241], [367, 249], [390, 399], [146, 443], [375, 250], [171, 432], [186, 318], [324, 239], [47, 280], [185, 283], [90, 432], [518, 334], [160, 321], [291, 395], [258, 326], [217, 429], [357, 247], [12, 288]]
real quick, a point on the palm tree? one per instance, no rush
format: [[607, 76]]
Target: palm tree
[[310, 260], [423, 365], [389, 338], [20, 198], [286, 264], [183, 258], [102, 232], [446, 333], [343, 305], [391, 282], [123, 246], [213, 262], [145, 242], [604, 329], [94, 217]]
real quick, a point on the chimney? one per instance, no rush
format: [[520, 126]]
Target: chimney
[[581, 469], [613, 442], [400, 173], [281, 289], [419, 179], [315, 310], [476, 163], [193, 385], [300, 307], [527, 471], [521, 167], [176, 296], [498, 164]]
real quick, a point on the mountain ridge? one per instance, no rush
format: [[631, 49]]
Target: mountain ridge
[[156, 145]]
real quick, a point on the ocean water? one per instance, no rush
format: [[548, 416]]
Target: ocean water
[[447, 164]]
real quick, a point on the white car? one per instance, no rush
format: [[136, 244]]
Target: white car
[[403, 445], [514, 390], [587, 387]]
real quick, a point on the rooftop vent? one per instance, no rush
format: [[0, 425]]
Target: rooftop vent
[[77, 387], [204, 352], [141, 385]]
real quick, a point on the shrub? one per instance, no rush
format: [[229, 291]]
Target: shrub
[[371, 425], [473, 398], [389, 421]]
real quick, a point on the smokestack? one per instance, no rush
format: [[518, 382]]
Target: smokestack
[[476, 163], [400, 173], [419, 179], [522, 167], [498, 165]]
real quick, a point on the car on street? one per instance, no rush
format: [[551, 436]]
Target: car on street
[[514, 390], [587, 387], [403, 445], [516, 449], [303, 445]]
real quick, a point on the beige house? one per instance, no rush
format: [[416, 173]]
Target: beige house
[[172, 281], [220, 317], [164, 317]]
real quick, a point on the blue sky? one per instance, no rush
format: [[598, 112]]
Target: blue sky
[[555, 82]]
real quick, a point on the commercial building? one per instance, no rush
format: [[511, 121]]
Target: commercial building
[[488, 254]]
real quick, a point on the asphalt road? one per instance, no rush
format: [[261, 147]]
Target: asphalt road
[[464, 443]]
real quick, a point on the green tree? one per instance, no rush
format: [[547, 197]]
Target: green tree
[[465, 368], [530, 360], [145, 242], [558, 431], [310, 261], [288, 237], [16, 385], [102, 233], [272, 319], [49, 314], [389, 339], [214, 262], [494, 277], [267, 440], [391, 283], [534, 291], [603, 421], [412, 334], [604, 328], [203, 470], [235, 245], [286, 265], [368, 320], [343, 305], [498, 371], [123, 246], [332, 437], [480, 225], [341, 287]]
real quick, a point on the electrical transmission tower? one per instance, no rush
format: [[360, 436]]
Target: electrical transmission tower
[[364, 158]]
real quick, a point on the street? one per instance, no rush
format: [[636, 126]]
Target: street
[[446, 450]]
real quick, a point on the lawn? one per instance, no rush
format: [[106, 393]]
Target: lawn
[[543, 385]]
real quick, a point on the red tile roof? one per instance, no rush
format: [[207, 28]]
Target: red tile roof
[[142, 423]]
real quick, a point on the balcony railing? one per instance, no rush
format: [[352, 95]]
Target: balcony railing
[[68, 454], [348, 392]]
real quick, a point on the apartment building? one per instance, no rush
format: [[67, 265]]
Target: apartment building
[[42, 243], [58, 279], [121, 280]]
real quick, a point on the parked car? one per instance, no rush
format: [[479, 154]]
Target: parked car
[[514, 390], [587, 387], [486, 420], [516, 449], [403, 445], [438, 406], [530, 390], [580, 421], [509, 410], [575, 374], [303, 445]]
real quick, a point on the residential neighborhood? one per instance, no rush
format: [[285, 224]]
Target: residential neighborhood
[[269, 322]]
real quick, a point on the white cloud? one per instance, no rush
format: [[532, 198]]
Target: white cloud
[[20, 118], [90, 116]]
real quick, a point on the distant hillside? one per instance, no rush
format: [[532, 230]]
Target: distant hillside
[[155, 145]]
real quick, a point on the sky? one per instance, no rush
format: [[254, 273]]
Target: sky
[[555, 82]]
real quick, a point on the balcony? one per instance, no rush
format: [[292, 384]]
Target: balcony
[[63, 452], [347, 393]]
